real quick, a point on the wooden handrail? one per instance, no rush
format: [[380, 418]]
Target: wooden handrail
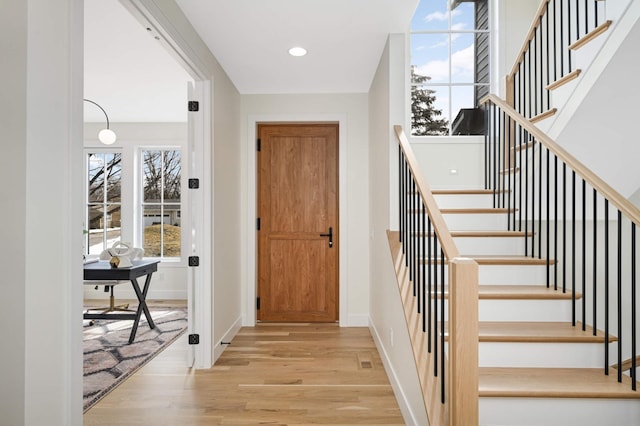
[[442, 231], [614, 197]]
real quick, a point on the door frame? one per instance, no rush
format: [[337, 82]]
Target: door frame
[[152, 16], [250, 243]]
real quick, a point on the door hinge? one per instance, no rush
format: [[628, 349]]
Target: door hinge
[[194, 260], [194, 106], [258, 224], [194, 339], [259, 145], [194, 183], [258, 303]]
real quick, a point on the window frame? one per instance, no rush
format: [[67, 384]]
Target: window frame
[[450, 86], [140, 202]]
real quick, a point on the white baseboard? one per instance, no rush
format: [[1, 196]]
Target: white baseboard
[[228, 336], [403, 403], [356, 320]]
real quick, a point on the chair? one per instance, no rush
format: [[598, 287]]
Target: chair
[[134, 254]]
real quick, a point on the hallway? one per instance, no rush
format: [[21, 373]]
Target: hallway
[[289, 374]]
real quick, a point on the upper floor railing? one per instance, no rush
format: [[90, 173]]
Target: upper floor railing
[[583, 227], [546, 57]]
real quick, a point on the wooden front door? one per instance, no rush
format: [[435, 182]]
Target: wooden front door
[[298, 211]]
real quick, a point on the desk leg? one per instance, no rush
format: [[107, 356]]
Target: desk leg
[[142, 306]]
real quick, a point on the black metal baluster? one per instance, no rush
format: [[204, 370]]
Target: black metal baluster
[[548, 254], [429, 293], [606, 286], [562, 47], [540, 201], [564, 227], [573, 250], [522, 147], [435, 305], [526, 194], [442, 330], [418, 237], [619, 296], [555, 41], [401, 192], [423, 267], [548, 58], [555, 222], [595, 258], [633, 306], [584, 255]]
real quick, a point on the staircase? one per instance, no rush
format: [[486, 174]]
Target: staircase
[[543, 331], [530, 354]]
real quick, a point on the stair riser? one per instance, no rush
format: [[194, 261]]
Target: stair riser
[[463, 201], [476, 222], [543, 355], [512, 274], [558, 412], [505, 274], [488, 245], [521, 310]]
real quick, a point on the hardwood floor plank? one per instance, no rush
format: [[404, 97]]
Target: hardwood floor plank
[[279, 374]]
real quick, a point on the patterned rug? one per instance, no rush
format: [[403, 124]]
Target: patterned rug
[[109, 359]]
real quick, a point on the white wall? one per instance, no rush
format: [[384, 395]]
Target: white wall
[[227, 211], [41, 121], [387, 107], [599, 122], [222, 271], [451, 161], [514, 19], [350, 110]]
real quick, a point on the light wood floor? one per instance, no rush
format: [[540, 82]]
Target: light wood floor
[[270, 374]]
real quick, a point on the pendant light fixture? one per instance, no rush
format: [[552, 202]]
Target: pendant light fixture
[[105, 136]]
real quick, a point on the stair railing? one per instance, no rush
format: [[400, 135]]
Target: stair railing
[[436, 273], [583, 227], [546, 58]]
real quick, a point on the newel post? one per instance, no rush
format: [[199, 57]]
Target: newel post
[[463, 342]]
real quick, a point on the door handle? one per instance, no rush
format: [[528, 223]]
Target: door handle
[[330, 235]]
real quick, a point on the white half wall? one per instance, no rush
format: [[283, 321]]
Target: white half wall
[[387, 106], [451, 161]]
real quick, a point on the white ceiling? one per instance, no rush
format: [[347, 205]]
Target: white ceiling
[[135, 79]]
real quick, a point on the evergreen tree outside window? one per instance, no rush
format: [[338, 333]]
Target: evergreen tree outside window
[[450, 63]]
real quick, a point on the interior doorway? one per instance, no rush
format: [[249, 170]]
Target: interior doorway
[[298, 236]]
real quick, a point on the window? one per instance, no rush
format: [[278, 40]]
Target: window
[[450, 65], [161, 187], [104, 201]]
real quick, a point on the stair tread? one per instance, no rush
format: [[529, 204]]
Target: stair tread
[[476, 210], [490, 291], [487, 233], [553, 383], [483, 259], [548, 332], [470, 191]]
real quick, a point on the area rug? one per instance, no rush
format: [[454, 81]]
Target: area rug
[[109, 359]]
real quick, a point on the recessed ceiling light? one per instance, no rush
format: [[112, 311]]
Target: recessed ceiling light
[[297, 51]]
